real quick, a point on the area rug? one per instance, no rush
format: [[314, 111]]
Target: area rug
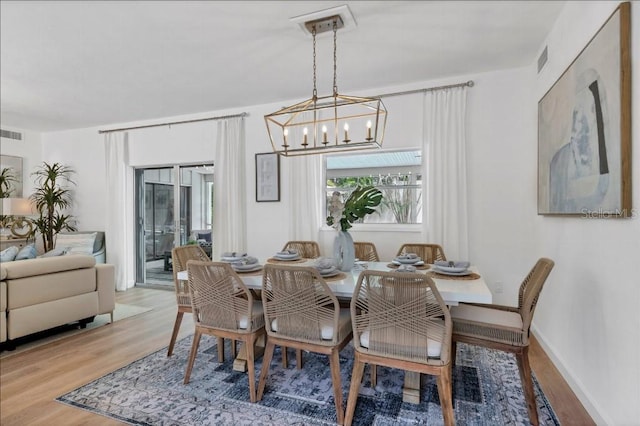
[[120, 312], [150, 391]]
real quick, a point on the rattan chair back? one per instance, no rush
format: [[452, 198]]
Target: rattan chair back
[[430, 253], [220, 299], [366, 251], [306, 249], [179, 258], [530, 290], [298, 303], [402, 316]]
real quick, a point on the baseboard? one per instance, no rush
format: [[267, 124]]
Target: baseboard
[[587, 401]]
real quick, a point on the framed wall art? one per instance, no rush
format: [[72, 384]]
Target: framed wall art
[[584, 129], [12, 166], [267, 177]]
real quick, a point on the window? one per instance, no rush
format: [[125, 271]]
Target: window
[[397, 174]]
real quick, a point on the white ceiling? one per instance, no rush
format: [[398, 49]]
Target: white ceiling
[[74, 64]]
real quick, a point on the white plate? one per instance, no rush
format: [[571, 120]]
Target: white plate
[[448, 269], [254, 267], [455, 274], [408, 261], [330, 274], [418, 263], [230, 259]]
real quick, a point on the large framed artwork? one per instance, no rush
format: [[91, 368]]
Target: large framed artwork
[[584, 129], [267, 177]]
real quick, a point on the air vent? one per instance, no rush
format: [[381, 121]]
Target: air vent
[[542, 59], [11, 135]]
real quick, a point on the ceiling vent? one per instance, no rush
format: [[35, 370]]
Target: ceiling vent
[[11, 135], [542, 59]]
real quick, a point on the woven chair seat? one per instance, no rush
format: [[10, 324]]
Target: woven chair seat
[[487, 323], [326, 328], [399, 346]]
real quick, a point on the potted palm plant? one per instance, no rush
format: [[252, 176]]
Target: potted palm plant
[[51, 197]]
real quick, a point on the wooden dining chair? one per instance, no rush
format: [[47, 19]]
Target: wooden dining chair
[[399, 320], [223, 307], [301, 312], [430, 253], [366, 251], [179, 257], [306, 249], [505, 328]]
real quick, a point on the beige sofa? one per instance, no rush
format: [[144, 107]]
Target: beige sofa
[[39, 294]]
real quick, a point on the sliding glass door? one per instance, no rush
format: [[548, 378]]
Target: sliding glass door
[[174, 207]]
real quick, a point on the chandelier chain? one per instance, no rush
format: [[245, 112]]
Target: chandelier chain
[[315, 90], [335, 58]]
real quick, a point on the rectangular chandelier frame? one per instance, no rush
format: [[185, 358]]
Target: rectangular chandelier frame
[[322, 125]]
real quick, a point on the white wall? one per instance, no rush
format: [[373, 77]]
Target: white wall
[[588, 317]]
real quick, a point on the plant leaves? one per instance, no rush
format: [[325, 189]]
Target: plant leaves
[[360, 203]]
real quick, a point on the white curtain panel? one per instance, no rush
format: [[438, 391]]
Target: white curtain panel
[[445, 169], [119, 234], [229, 193], [306, 191]]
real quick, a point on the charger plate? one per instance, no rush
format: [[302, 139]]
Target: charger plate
[[471, 276], [419, 267], [276, 260]]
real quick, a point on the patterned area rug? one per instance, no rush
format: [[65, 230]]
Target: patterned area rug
[[150, 391]]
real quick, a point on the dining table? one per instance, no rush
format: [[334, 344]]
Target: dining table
[[454, 289]]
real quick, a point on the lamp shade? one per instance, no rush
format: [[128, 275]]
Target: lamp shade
[[17, 207]]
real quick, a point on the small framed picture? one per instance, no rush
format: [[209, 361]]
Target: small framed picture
[[267, 177]]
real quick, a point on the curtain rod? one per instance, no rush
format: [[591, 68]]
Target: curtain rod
[[222, 117], [428, 89]]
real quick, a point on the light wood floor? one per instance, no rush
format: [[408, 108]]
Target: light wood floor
[[30, 381]]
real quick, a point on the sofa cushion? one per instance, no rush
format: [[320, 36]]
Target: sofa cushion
[[9, 254], [27, 252], [30, 267], [55, 252], [76, 243], [28, 291]]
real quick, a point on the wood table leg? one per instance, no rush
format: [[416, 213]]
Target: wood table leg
[[240, 363], [411, 389]]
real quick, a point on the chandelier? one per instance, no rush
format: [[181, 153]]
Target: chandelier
[[333, 123]]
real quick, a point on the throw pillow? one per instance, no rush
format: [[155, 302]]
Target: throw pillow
[[27, 252], [76, 243], [55, 252], [206, 237], [9, 254]]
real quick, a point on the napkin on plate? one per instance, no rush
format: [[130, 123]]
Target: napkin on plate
[[406, 268], [408, 256], [247, 260], [289, 252], [325, 264]]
